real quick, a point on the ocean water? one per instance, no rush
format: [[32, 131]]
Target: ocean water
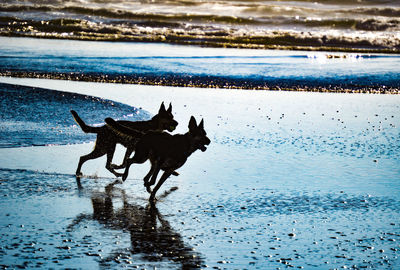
[[34, 116], [368, 25], [177, 65]]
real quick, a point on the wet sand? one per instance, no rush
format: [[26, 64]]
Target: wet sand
[[304, 180]]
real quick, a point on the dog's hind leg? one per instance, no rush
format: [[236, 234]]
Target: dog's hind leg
[[137, 158], [96, 153], [164, 177], [153, 173], [154, 167], [154, 177], [128, 153], [110, 155]]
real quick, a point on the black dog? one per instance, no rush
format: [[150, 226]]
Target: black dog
[[107, 140], [166, 152]]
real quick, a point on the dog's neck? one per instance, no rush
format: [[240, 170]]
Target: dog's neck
[[190, 147], [154, 125]]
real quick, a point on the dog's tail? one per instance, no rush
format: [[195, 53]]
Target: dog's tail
[[123, 131], [84, 127]]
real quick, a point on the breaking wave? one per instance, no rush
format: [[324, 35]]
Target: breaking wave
[[322, 25]]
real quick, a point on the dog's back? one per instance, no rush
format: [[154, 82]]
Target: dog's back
[[163, 145]]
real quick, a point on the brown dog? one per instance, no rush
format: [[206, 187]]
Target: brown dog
[[165, 151], [107, 140]]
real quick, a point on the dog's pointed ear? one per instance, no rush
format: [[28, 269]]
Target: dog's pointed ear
[[109, 121], [192, 123], [201, 125], [170, 108], [162, 108]]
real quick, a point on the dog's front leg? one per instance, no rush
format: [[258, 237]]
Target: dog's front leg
[[164, 177]]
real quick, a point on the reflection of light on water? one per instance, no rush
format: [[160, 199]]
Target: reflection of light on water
[[323, 57]]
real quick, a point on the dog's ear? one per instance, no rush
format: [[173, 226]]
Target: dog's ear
[[192, 123], [109, 121], [170, 108], [201, 125], [162, 108]]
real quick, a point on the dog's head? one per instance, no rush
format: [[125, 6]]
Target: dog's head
[[199, 135], [164, 118]]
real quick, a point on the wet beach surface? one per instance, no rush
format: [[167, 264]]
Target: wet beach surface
[[290, 180], [50, 221]]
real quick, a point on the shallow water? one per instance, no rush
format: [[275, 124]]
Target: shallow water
[[289, 180], [163, 64], [34, 116], [211, 220], [50, 221]]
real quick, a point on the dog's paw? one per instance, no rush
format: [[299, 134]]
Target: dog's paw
[[174, 173]]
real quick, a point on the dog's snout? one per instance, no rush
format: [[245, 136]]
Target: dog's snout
[[207, 141]]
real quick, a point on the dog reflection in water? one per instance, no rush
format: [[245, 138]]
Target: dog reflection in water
[[152, 237]]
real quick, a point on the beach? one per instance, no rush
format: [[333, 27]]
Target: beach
[[298, 98], [304, 180]]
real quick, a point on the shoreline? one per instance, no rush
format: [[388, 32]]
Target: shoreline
[[196, 82]]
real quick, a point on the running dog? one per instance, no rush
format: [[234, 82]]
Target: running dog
[[107, 140], [165, 151]]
